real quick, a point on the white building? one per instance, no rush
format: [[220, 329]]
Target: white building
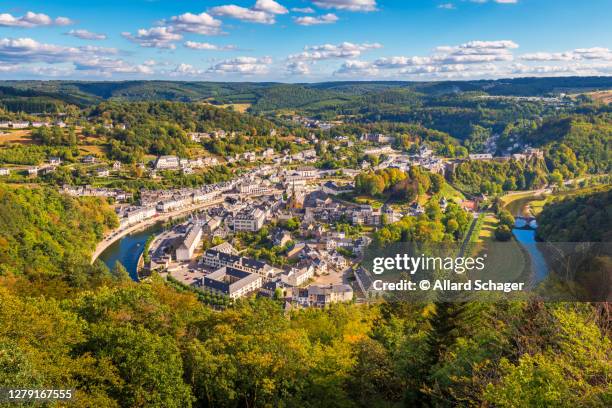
[[298, 277], [481, 156], [232, 282], [136, 215], [167, 163], [191, 241], [249, 219], [4, 172]]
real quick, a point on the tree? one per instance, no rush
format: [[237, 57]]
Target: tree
[[503, 233]]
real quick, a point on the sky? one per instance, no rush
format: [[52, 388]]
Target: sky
[[304, 40]]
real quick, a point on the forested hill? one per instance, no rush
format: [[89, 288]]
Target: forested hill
[[47, 238], [264, 96], [583, 217]]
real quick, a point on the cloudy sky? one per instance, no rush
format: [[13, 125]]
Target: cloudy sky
[[304, 40]]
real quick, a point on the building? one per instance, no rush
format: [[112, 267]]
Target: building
[[55, 161], [481, 156], [215, 259], [377, 138], [21, 125], [306, 172], [249, 219], [102, 172], [232, 282], [117, 165], [321, 296], [167, 163], [298, 277], [332, 188], [134, 215], [253, 189], [190, 242], [281, 237], [89, 159], [33, 171], [4, 172], [173, 204]]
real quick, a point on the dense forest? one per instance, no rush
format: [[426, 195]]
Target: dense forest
[[490, 177], [47, 238], [585, 216], [275, 95]]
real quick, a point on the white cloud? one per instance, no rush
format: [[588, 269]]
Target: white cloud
[[447, 6], [400, 62], [156, 37], [27, 50], [475, 52], [351, 5], [242, 65], [305, 10], [263, 12], [596, 53], [328, 18], [183, 70], [357, 68], [270, 6], [86, 35], [202, 23], [331, 51], [208, 46], [298, 68], [108, 66], [31, 19]]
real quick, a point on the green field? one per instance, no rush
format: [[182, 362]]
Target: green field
[[505, 260]]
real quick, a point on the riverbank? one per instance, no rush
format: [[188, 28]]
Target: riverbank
[[118, 234]]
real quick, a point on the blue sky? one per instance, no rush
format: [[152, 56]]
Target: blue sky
[[304, 41]]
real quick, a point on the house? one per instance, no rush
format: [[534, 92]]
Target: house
[[425, 151], [89, 159], [389, 215], [21, 125], [213, 258], [231, 282], [4, 172], [117, 165], [416, 209], [377, 138], [481, 156], [135, 215], [190, 242], [366, 215], [55, 161], [321, 296], [307, 172], [332, 188], [102, 172], [249, 219], [298, 276], [443, 203], [281, 237], [33, 171], [167, 163], [530, 152]]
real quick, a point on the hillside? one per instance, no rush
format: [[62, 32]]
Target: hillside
[[83, 93]]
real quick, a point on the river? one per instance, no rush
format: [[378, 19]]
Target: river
[[128, 249], [526, 237]]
